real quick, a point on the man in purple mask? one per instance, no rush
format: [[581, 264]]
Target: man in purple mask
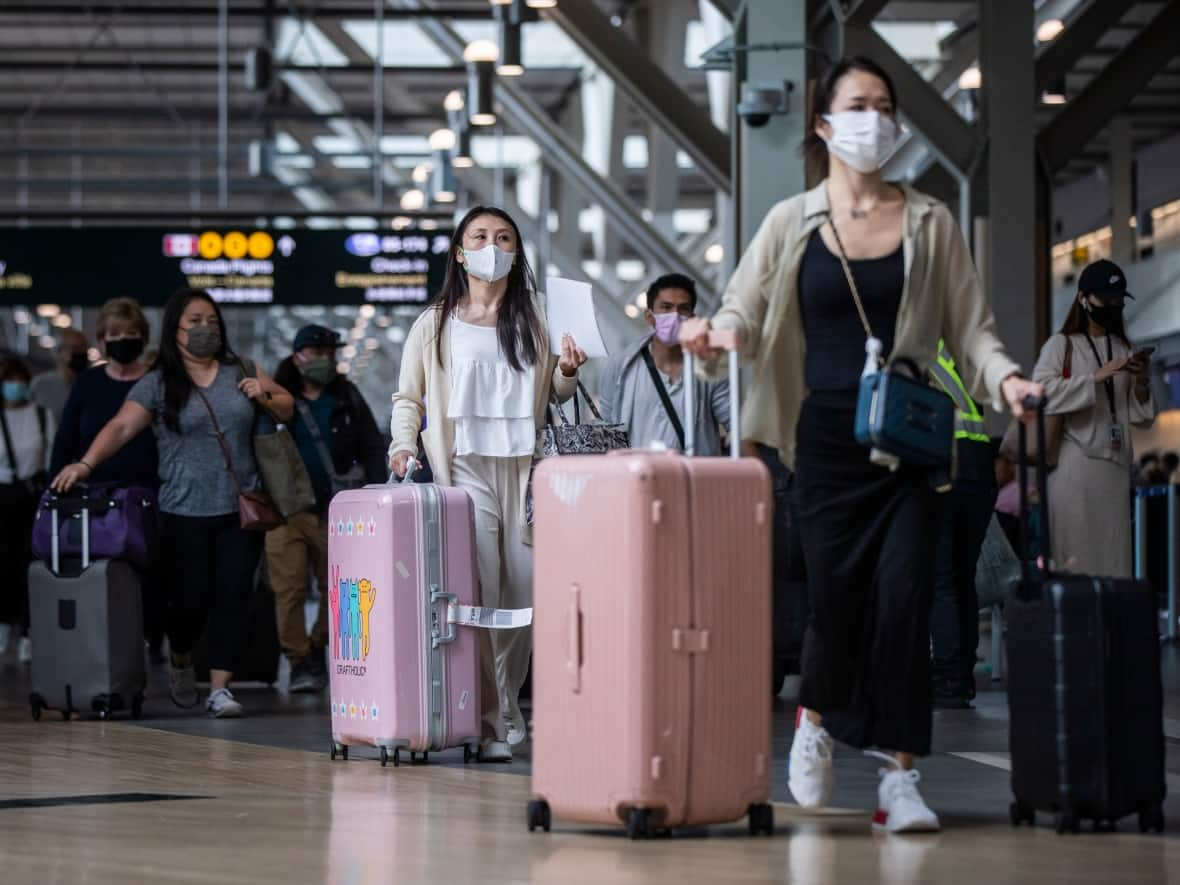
[[643, 386]]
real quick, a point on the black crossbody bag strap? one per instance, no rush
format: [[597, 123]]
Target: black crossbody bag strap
[[8, 444], [663, 393]]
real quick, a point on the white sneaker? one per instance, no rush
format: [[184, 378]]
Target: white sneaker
[[24, 650], [809, 767], [518, 732], [5, 636], [221, 705], [900, 807]]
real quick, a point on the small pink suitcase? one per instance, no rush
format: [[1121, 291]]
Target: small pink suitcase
[[652, 639], [403, 676]]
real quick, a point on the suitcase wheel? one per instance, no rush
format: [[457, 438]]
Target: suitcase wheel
[[36, 705], [338, 750], [539, 815], [761, 819], [385, 757], [1019, 813], [414, 757], [468, 753], [1152, 819], [639, 823]]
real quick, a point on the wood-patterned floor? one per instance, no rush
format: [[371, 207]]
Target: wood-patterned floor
[[266, 815]]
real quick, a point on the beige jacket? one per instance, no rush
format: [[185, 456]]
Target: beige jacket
[[941, 297], [424, 388], [1083, 402]]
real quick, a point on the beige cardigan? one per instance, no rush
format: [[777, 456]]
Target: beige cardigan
[[424, 388], [941, 297]]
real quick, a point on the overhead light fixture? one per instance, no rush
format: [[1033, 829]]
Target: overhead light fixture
[[481, 56], [453, 101], [1050, 30], [442, 180], [421, 173], [971, 78], [715, 254], [442, 140], [511, 63], [1055, 94], [501, 2], [541, 4], [461, 156], [413, 200]]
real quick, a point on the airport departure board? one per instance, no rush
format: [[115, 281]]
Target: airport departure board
[[244, 266]]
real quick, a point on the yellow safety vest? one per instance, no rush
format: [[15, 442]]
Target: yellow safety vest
[[969, 423]]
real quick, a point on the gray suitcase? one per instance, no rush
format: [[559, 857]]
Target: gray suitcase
[[87, 634]]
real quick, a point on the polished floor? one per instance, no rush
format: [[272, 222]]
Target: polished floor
[[178, 798]]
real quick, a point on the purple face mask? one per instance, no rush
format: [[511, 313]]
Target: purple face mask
[[668, 328]]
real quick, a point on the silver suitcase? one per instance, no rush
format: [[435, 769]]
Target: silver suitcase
[[87, 635]]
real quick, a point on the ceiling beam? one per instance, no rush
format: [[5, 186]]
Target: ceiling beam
[[243, 116], [189, 10], [525, 114], [857, 12], [1112, 90], [649, 87], [1079, 38]]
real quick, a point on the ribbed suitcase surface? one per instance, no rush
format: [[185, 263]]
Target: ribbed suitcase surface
[[652, 637], [87, 637], [1086, 699]]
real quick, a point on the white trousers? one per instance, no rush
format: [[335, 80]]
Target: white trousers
[[506, 581]]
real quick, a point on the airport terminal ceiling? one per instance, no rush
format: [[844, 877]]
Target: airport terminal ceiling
[[117, 117]]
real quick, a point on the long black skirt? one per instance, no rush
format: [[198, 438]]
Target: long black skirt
[[868, 541]]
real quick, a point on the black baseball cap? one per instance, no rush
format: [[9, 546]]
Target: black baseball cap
[[315, 336], [1105, 280]]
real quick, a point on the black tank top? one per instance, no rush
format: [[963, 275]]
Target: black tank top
[[835, 336]]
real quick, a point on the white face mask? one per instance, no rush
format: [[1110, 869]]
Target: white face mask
[[490, 263], [863, 140]]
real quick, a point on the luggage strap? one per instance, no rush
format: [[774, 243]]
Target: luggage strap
[[442, 629], [489, 618]]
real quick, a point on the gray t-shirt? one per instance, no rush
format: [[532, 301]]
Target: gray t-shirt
[[193, 476]]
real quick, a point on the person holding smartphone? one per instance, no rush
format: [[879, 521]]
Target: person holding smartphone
[[1099, 382]]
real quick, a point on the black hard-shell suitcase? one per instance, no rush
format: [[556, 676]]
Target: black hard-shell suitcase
[[1085, 696], [86, 627]]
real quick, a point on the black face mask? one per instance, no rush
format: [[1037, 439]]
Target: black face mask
[[79, 363], [1107, 316], [125, 350]]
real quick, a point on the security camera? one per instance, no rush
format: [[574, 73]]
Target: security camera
[[763, 102]]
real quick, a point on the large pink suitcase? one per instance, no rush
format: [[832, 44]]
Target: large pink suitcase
[[402, 676], [652, 640]]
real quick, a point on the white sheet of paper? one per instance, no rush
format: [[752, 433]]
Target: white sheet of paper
[[570, 309]]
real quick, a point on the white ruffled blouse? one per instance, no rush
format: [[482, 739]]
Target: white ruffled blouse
[[491, 403]]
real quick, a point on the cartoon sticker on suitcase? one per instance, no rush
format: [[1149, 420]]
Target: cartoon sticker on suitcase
[[352, 602]]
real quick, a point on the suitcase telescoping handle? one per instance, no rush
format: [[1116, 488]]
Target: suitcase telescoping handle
[[54, 528], [412, 466], [1034, 404], [727, 340]]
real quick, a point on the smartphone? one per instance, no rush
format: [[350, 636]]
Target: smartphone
[[1142, 353]]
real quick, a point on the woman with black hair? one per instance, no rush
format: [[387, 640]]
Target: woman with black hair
[[1099, 383], [867, 523], [197, 390], [477, 365], [341, 447]]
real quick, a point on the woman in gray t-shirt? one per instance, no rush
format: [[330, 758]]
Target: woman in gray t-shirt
[[211, 558]]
